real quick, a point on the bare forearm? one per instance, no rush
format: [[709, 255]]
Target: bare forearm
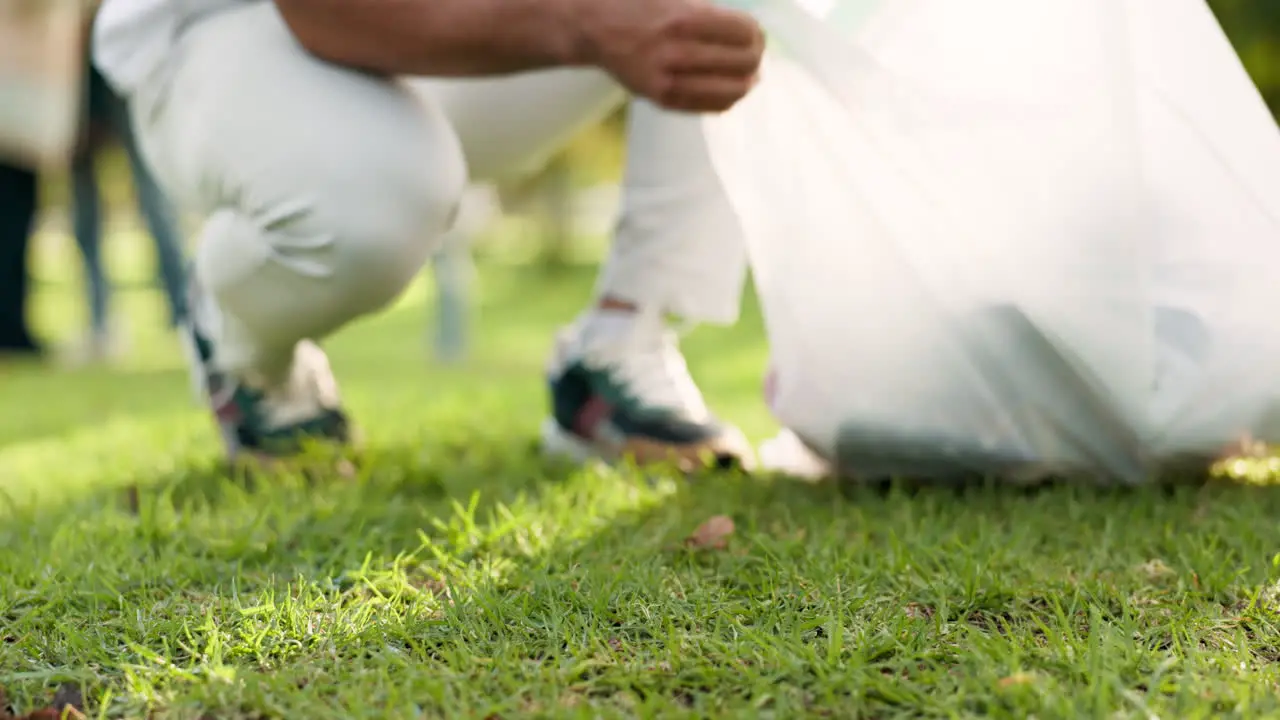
[[438, 37]]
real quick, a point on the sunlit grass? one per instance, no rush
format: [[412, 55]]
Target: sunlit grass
[[461, 575]]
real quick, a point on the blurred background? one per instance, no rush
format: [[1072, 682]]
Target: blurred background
[[524, 264]]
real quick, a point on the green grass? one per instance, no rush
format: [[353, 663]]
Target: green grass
[[463, 576]]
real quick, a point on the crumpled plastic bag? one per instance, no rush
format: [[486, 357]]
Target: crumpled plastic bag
[[1010, 238]]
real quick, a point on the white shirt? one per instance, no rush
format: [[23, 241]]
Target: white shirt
[[132, 39]]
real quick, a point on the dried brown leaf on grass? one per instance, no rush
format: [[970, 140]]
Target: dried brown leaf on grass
[[1016, 679], [712, 534], [916, 611]]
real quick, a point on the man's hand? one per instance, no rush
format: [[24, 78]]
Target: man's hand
[[682, 54]]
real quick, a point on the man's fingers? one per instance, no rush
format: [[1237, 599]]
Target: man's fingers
[[705, 59], [701, 58], [705, 93], [720, 26]]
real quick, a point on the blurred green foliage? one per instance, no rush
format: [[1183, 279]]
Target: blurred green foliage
[[1254, 29]]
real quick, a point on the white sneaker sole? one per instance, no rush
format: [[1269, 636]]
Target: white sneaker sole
[[557, 443]]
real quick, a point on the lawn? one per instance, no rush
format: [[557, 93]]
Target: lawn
[[461, 575]]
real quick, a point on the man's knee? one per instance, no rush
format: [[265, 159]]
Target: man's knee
[[337, 243], [381, 220]]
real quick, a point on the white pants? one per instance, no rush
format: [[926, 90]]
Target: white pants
[[325, 189]]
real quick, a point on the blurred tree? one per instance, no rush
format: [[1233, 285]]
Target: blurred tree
[[593, 158]]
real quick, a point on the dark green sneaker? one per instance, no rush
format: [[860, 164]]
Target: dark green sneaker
[[265, 423], [627, 395]]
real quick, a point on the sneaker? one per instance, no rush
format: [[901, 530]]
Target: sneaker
[[265, 423], [620, 389]]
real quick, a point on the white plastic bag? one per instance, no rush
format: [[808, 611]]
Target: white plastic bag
[[1001, 236]]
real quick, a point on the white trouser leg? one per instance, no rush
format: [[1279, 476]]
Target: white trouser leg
[[510, 126], [678, 246], [323, 188], [326, 189]]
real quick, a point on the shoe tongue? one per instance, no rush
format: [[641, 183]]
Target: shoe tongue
[[607, 334], [612, 324]]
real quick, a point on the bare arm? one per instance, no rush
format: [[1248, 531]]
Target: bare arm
[[439, 37], [686, 55]]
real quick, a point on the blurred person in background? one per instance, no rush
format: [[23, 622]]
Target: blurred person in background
[[17, 219], [328, 144], [38, 42], [107, 118]]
